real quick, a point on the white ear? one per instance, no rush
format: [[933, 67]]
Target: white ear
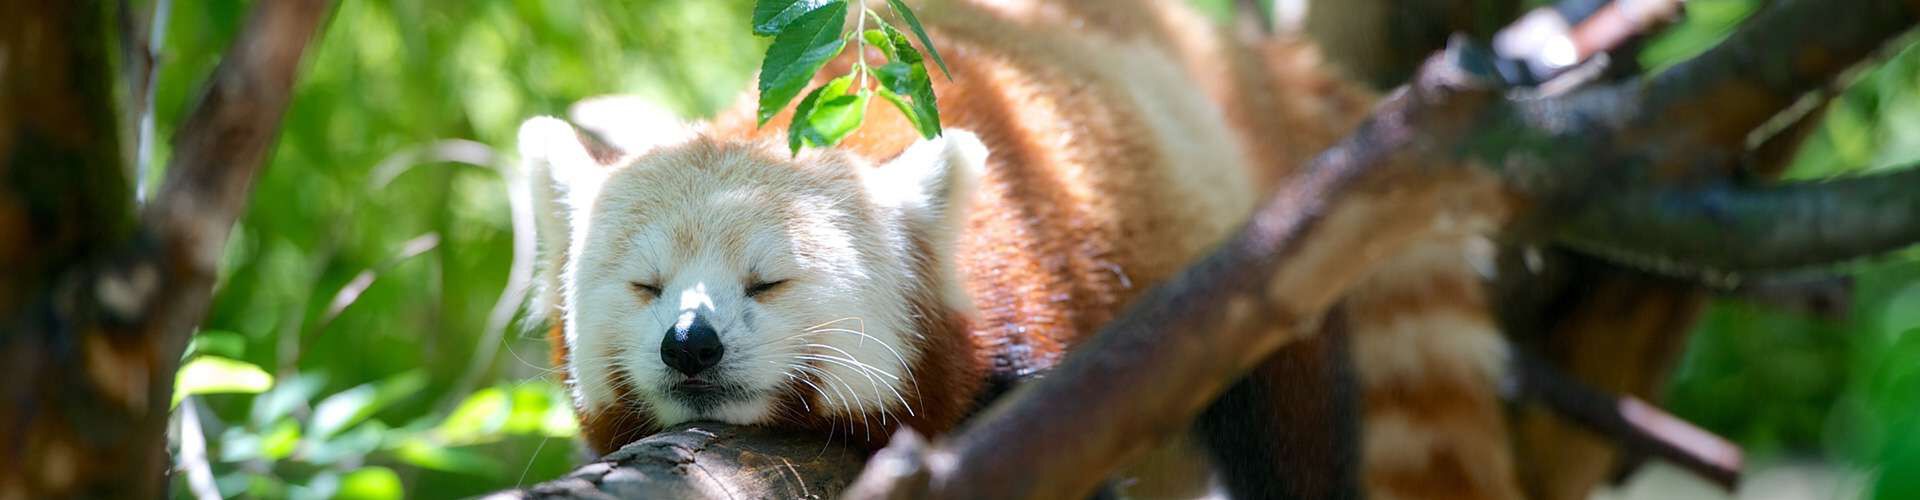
[[564, 169], [933, 180], [563, 159], [932, 185], [630, 122]]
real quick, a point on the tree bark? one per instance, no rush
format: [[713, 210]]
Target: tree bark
[[95, 319], [710, 461]]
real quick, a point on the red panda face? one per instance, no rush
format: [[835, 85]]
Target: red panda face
[[731, 282]]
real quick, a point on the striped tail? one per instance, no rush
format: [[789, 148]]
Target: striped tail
[[1429, 356]]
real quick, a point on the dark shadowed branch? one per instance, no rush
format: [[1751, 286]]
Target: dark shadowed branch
[[1637, 426], [1426, 144], [1724, 230]]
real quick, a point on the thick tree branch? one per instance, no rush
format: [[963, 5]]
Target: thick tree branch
[[710, 461], [111, 324], [1723, 230], [1428, 143], [1719, 98]]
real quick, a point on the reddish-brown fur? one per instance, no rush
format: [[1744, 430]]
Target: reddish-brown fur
[[1060, 237], [1071, 221]]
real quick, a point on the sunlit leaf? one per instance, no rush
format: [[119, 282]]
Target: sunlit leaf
[[797, 53], [906, 77], [216, 343], [292, 392], [906, 108], [913, 22], [280, 442], [879, 40], [771, 16], [559, 422], [828, 114], [370, 483], [246, 484], [477, 419], [352, 406], [322, 486], [422, 453], [796, 131], [531, 405], [217, 375], [350, 446]]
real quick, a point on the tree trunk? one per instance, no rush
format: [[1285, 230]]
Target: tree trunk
[[100, 296]]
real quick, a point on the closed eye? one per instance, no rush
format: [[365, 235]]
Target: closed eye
[[645, 290], [763, 287]]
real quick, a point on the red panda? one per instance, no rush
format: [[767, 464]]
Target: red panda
[[1093, 149]]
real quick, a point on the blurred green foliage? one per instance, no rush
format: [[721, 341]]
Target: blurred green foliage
[[339, 358], [1789, 386], [373, 383]]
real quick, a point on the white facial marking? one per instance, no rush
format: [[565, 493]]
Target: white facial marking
[[695, 297]]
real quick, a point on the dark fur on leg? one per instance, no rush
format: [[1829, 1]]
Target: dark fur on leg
[[1290, 428]]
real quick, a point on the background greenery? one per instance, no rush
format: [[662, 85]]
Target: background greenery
[[346, 354]]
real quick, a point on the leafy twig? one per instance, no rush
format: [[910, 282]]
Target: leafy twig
[[807, 34]]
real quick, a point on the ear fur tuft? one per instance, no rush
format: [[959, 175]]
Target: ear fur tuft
[[932, 184], [564, 168], [934, 179]]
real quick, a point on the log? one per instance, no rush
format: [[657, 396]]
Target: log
[[709, 461]]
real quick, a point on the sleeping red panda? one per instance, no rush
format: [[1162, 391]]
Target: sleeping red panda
[[702, 273]]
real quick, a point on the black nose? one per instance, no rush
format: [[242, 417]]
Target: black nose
[[691, 345]]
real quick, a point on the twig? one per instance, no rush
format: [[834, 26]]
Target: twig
[[143, 94], [1640, 427], [519, 272], [350, 292], [193, 452]]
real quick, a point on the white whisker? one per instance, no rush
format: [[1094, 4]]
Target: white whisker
[[864, 370]]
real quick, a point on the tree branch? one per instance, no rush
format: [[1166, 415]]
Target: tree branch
[[1721, 231], [1638, 426], [1310, 241], [709, 461]]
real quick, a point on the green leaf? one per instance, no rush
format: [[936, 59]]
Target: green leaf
[[280, 442], [906, 77], [895, 76], [921, 32], [476, 420], [797, 53], [351, 446], [370, 483], [797, 129], [772, 16], [217, 375], [906, 108], [292, 392], [218, 343], [832, 112], [879, 39], [422, 453], [531, 405], [352, 406]]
